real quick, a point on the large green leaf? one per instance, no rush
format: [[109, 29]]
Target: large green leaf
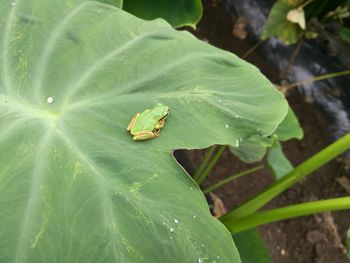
[[277, 24], [74, 187], [251, 247], [178, 13]]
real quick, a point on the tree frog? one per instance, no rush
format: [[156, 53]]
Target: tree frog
[[147, 124]]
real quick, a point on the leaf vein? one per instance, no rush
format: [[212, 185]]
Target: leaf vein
[[50, 44]]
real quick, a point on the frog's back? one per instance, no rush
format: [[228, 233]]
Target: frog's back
[[148, 119]]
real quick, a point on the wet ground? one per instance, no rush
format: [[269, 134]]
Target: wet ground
[[319, 238]]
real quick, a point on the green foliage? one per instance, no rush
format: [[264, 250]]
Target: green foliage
[[322, 9], [251, 247], [254, 148], [178, 13], [250, 150], [277, 161], [278, 25], [289, 128], [74, 186], [345, 34]]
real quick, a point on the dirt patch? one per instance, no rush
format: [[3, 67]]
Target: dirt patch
[[309, 239]]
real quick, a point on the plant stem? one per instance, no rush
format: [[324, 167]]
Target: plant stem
[[204, 162], [287, 212], [305, 4], [252, 49], [231, 178], [211, 165], [286, 70], [318, 78], [304, 169]]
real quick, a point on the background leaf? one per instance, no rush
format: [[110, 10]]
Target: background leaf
[[345, 34], [74, 186], [249, 151], [251, 247], [178, 13], [277, 24], [277, 161], [289, 128], [253, 149]]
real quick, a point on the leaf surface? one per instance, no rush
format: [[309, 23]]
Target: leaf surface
[[117, 3], [74, 187]]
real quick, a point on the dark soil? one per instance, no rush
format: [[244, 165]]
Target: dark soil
[[319, 238]]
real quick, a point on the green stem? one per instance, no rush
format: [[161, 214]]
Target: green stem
[[204, 162], [252, 49], [287, 212], [318, 78], [231, 178], [305, 4], [304, 169], [286, 70], [211, 165]]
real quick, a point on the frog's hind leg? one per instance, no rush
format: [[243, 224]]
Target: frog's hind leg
[[145, 136], [132, 122]]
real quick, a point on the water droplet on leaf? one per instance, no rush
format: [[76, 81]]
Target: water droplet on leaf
[[49, 100]]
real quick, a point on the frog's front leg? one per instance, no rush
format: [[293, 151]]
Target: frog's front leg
[[141, 136], [132, 122], [160, 124]]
